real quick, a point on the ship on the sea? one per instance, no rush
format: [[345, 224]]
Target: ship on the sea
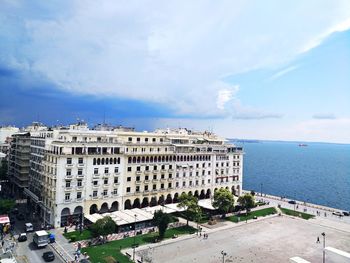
[[302, 145]]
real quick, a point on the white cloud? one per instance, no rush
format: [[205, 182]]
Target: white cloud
[[283, 72], [166, 52]]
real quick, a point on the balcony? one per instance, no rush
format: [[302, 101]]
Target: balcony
[[105, 196], [138, 172], [171, 170], [69, 177], [154, 180], [94, 197], [163, 180], [155, 171], [138, 182], [81, 164], [69, 165], [171, 179], [147, 181], [147, 171], [96, 175], [105, 185], [105, 175], [79, 200], [116, 184], [68, 201], [95, 186], [79, 187], [68, 188]]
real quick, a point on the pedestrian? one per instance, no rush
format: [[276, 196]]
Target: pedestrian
[[2, 243], [318, 240], [200, 234]]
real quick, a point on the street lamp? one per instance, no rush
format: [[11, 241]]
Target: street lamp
[[324, 246], [134, 246], [223, 253]]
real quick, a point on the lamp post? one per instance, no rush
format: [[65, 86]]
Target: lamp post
[[324, 246], [134, 246], [223, 253]]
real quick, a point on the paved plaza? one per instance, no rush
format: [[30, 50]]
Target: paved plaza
[[275, 239]]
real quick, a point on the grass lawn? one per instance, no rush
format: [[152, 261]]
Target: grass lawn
[[296, 213], [86, 234], [110, 252], [251, 215]]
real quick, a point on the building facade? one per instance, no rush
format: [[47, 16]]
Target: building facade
[[77, 171]]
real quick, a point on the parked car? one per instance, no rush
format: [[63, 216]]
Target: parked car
[[345, 213], [337, 213], [49, 256], [20, 216], [22, 237], [292, 202]]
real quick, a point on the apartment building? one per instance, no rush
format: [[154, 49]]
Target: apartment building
[[75, 171]]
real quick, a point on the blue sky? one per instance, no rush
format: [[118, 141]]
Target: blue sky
[[244, 69]]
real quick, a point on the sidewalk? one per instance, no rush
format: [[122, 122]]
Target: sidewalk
[[65, 249]]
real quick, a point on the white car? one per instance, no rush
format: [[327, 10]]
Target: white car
[[29, 227]]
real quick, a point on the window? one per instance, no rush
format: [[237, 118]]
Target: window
[[95, 182], [203, 172], [80, 160], [69, 160], [80, 171], [162, 186], [67, 184], [128, 179], [162, 176], [78, 195], [154, 187], [146, 139], [137, 188], [146, 178], [94, 193], [130, 139], [203, 165], [169, 185], [177, 175], [146, 187], [208, 181], [138, 139], [106, 170], [163, 167], [197, 182], [153, 139], [95, 170], [183, 183], [138, 168], [208, 172], [202, 181], [197, 165], [67, 197], [79, 183], [177, 184], [170, 175], [116, 170], [147, 168], [190, 183], [105, 181], [128, 189], [105, 192], [155, 168], [170, 167], [129, 169], [190, 173], [137, 178], [154, 177], [69, 172], [115, 180], [184, 174], [115, 191]]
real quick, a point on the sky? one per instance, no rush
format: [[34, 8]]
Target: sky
[[276, 70]]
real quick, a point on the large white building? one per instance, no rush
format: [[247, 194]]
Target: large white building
[[79, 171]]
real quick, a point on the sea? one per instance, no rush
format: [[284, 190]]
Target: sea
[[317, 173]]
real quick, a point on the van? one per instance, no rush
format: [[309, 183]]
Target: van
[[29, 227]]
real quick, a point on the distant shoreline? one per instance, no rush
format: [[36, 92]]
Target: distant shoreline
[[280, 141]]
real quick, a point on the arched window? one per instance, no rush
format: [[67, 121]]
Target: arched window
[[94, 162], [98, 161]]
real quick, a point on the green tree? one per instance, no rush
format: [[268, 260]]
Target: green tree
[[246, 201], [104, 227], [161, 220], [190, 203], [223, 200], [6, 205]]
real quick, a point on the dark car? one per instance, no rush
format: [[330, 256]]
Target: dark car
[[292, 202], [49, 256], [345, 213], [22, 237], [20, 217]]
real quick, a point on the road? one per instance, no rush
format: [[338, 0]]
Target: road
[[26, 251], [324, 212]]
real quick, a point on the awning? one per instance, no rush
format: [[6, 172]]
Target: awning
[[4, 219], [206, 204]]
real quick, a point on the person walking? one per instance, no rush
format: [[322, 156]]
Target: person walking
[[318, 240]]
